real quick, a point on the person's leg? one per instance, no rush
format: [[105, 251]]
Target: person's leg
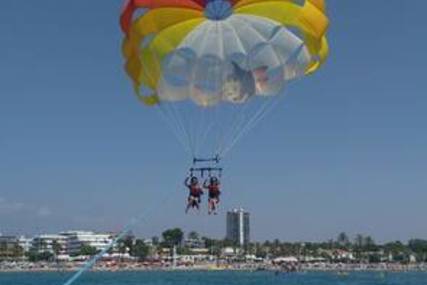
[[215, 205], [189, 204], [210, 206]]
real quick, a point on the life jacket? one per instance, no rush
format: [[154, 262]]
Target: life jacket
[[195, 191], [214, 190]]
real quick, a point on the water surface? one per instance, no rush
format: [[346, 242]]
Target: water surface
[[215, 278]]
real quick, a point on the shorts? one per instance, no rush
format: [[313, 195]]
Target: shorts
[[194, 199]]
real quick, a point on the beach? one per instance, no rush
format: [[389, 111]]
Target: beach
[[250, 267]]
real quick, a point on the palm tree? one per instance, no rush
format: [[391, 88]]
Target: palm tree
[[193, 235]]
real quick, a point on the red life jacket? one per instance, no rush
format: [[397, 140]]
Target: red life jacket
[[213, 190], [195, 191]]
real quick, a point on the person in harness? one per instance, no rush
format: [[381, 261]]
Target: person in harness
[[195, 193], [213, 186]]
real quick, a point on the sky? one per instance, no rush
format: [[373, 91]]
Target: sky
[[345, 151]]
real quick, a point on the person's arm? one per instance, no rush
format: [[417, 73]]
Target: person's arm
[[186, 181], [205, 184]]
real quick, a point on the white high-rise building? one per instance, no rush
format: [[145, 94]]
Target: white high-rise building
[[238, 227]]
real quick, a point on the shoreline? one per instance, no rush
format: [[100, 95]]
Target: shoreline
[[26, 267]]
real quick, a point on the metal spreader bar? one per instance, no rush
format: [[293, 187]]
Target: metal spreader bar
[[215, 159], [209, 170]]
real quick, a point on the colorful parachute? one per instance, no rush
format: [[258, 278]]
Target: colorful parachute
[[215, 67]]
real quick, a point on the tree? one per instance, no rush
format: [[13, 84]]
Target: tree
[[173, 237], [209, 242], [214, 245], [419, 247], [358, 245], [193, 235], [126, 244], [56, 247], [35, 256], [155, 240], [88, 250], [183, 251], [140, 250], [397, 249], [343, 240], [359, 241], [277, 248], [369, 244], [260, 251]]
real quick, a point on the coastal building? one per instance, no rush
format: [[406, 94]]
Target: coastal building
[[7, 242], [238, 227], [9, 247], [194, 243], [55, 244], [149, 242], [77, 239], [25, 243]]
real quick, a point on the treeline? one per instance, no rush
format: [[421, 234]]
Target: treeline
[[360, 248], [342, 249]]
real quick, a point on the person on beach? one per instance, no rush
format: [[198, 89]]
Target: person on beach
[[195, 193], [213, 187]]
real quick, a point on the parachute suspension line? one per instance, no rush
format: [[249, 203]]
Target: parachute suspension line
[[207, 129], [176, 118], [264, 110], [201, 119], [175, 129], [241, 119], [246, 127], [237, 122], [216, 123], [173, 122], [185, 122], [179, 120], [171, 115], [219, 120], [167, 115], [255, 122], [268, 105], [219, 115], [237, 110], [202, 110], [204, 131]]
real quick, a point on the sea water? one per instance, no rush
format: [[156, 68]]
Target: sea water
[[216, 278]]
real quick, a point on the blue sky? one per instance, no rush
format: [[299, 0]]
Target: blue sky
[[346, 151]]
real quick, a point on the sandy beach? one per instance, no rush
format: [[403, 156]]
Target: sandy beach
[[135, 266]]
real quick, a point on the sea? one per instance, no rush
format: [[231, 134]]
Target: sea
[[217, 278]]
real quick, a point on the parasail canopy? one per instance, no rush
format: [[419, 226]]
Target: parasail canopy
[[215, 67]]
